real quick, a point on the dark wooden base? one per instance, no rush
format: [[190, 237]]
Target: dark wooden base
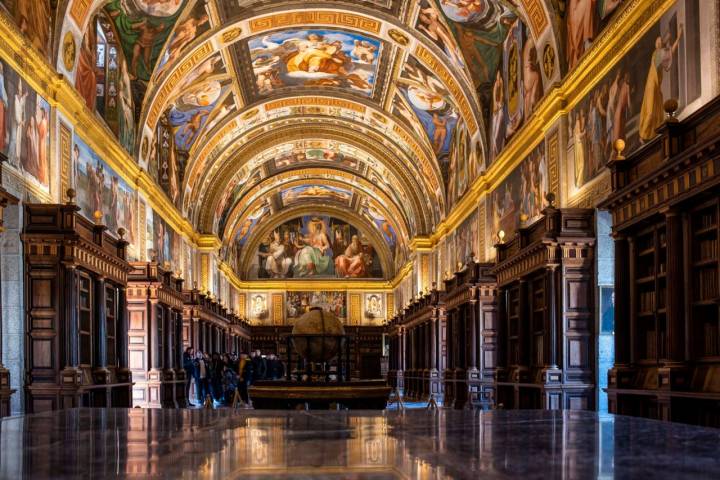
[[354, 395]]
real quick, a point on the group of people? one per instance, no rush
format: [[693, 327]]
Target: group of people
[[219, 376]]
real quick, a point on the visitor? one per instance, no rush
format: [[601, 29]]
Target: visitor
[[259, 366], [276, 369], [189, 367], [245, 370], [202, 377], [216, 377]]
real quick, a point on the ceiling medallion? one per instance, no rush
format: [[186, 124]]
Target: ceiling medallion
[[69, 51], [549, 61]]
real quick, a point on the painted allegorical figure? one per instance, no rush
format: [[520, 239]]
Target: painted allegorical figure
[[277, 259], [651, 112], [85, 77], [352, 264], [314, 256]]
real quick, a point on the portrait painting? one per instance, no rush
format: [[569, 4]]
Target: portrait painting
[[522, 193], [167, 244], [374, 306], [432, 104], [308, 152], [517, 87], [34, 18], [371, 211], [466, 239], [321, 58], [143, 27], [102, 79], [100, 189], [258, 306], [584, 20], [316, 246], [434, 25], [192, 23], [24, 127], [299, 303], [628, 103], [301, 193]]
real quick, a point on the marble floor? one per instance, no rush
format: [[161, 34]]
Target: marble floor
[[414, 444]]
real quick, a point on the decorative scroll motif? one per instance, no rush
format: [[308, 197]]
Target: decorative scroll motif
[[242, 308], [553, 156], [482, 218], [455, 89], [390, 305], [355, 311], [277, 308], [65, 158], [205, 271], [425, 271], [535, 16], [340, 19]]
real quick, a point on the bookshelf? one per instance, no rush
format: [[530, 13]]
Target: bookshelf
[[548, 349], [665, 203]]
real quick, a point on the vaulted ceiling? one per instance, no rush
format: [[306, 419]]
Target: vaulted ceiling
[[261, 110]]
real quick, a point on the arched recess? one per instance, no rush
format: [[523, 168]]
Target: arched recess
[[272, 222], [262, 192], [215, 179]]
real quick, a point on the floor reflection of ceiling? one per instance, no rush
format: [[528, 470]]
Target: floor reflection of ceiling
[[415, 444]]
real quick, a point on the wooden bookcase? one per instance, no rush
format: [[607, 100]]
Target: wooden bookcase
[[471, 315], [76, 322], [666, 205], [546, 308], [155, 309], [418, 345]]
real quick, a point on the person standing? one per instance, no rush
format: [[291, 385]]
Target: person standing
[[202, 381], [259, 366], [189, 367]]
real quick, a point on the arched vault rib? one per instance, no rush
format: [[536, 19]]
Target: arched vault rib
[[216, 179], [313, 176], [275, 220], [424, 176], [364, 168]]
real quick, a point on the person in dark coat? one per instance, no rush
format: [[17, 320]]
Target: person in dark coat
[[245, 368], [276, 369], [216, 376], [189, 367], [259, 366]]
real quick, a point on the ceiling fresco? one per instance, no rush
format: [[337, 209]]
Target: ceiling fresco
[[381, 112]]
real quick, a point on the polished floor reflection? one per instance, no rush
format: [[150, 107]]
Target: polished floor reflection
[[226, 444]]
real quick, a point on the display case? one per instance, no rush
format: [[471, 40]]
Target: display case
[[76, 322]]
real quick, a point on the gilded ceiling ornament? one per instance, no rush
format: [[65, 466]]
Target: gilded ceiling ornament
[[250, 114], [231, 35], [69, 51], [548, 61], [399, 37]]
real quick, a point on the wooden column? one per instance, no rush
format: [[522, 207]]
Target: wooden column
[[100, 372], [123, 327], [155, 322]]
